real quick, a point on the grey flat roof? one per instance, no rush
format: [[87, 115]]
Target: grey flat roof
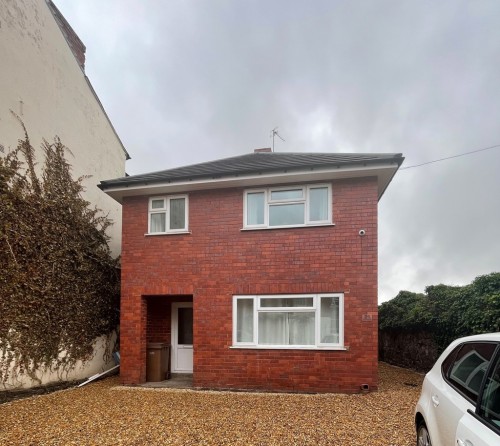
[[255, 163]]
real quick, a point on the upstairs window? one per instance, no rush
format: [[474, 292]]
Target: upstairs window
[[288, 206], [168, 214]]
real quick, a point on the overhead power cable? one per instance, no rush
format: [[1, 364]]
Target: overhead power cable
[[450, 157]]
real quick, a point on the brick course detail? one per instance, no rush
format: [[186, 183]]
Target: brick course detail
[[217, 260]]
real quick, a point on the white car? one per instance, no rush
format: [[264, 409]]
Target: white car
[[460, 400]]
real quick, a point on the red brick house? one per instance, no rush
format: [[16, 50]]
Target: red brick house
[[260, 270]]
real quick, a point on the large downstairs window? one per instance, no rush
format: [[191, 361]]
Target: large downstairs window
[[287, 206], [289, 321], [168, 214]]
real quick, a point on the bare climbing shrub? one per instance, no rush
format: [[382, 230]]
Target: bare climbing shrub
[[59, 285]]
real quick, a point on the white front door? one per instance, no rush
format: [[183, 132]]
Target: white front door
[[182, 337]]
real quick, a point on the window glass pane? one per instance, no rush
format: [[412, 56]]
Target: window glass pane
[[470, 366], [244, 320], [301, 328], [287, 194], [177, 213], [286, 214], [318, 204], [286, 328], [273, 328], [158, 222], [255, 208], [329, 326], [185, 326], [490, 405], [467, 366], [157, 204], [286, 302], [449, 361]]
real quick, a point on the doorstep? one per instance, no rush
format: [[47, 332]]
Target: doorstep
[[176, 381]]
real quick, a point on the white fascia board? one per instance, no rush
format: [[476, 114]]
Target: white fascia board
[[384, 174]]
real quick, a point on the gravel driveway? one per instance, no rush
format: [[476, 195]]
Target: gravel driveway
[[105, 413]]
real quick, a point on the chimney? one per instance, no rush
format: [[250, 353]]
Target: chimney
[[264, 150], [76, 45]]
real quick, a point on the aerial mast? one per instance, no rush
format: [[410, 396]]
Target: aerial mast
[[274, 132]]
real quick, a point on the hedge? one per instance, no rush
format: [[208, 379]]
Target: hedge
[[447, 312]]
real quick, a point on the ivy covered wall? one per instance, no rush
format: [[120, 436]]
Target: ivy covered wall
[[59, 284], [414, 328]]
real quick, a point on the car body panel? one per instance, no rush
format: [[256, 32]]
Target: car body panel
[[446, 413], [443, 407], [471, 432]]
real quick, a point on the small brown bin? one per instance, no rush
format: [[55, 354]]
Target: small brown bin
[[157, 361]]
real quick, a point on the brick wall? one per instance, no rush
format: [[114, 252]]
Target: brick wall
[[413, 350], [76, 45], [159, 314], [158, 319], [218, 260]]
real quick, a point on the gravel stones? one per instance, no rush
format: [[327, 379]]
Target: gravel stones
[[105, 413]]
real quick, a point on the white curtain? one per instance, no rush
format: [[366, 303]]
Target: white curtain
[[329, 320], [318, 204], [158, 222], [255, 208], [244, 320], [286, 328], [177, 213]]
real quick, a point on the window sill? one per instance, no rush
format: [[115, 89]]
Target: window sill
[[287, 227], [156, 234], [291, 347]]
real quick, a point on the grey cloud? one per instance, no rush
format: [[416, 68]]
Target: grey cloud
[[188, 81]]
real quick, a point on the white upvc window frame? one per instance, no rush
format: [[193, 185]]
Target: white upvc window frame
[[166, 211], [306, 200], [314, 308]]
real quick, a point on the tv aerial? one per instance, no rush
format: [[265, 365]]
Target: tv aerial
[[274, 132]]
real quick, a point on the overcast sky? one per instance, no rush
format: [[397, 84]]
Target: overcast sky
[[190, 81]]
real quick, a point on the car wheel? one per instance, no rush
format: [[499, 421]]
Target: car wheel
[[423, 437]]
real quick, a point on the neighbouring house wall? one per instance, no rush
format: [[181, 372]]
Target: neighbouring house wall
[[42, 82], [96, 365], [217, 260]]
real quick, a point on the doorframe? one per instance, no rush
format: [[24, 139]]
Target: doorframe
[[174, 337]]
